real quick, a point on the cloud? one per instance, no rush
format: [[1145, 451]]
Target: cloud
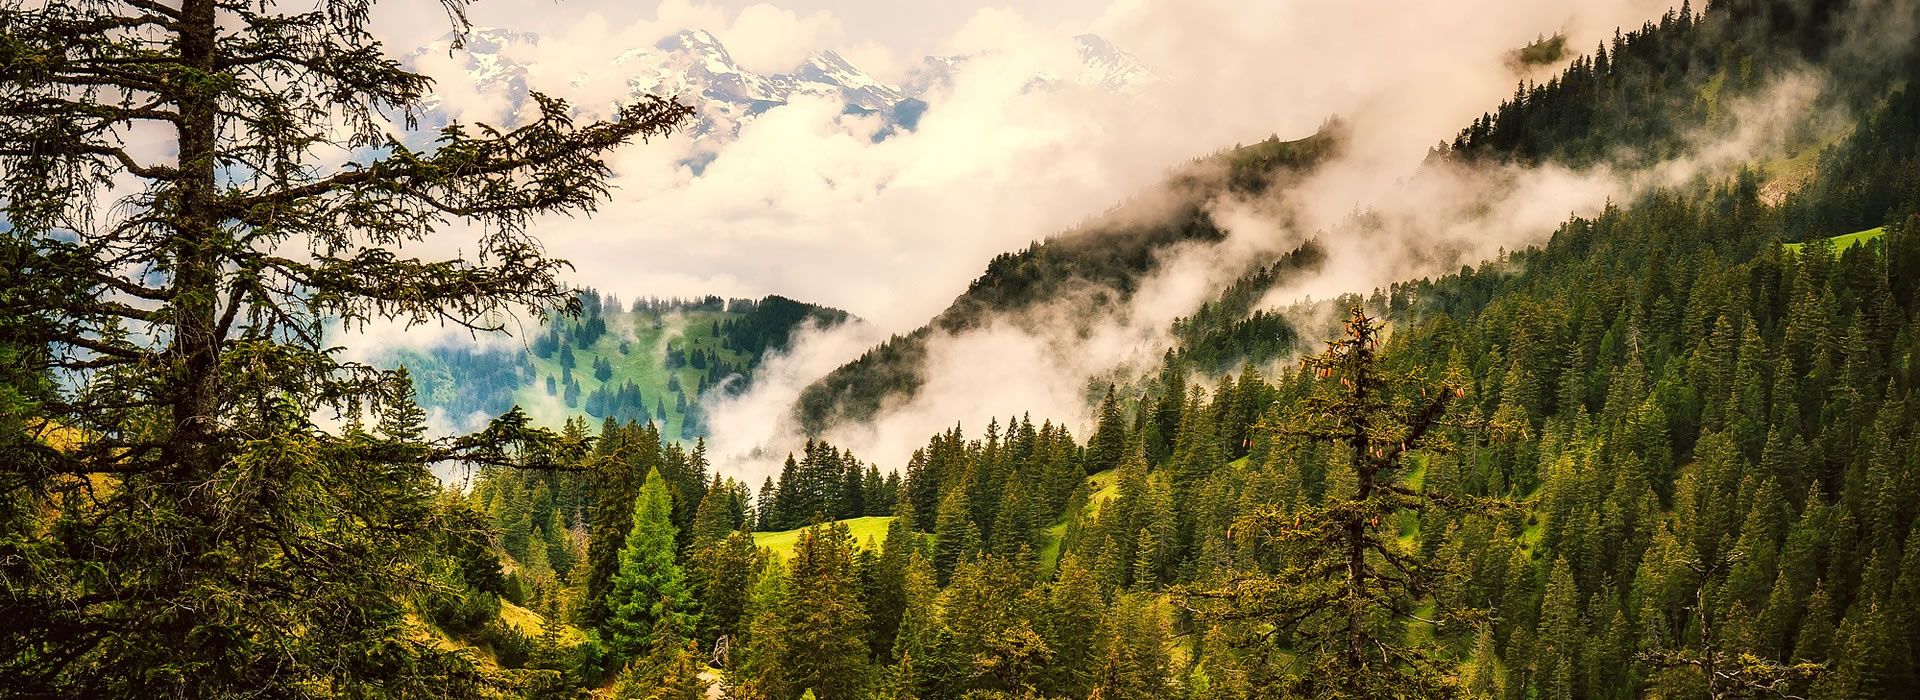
[[767, 39], [805, 204], [1421, 221]]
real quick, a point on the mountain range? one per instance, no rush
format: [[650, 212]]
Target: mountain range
[[696, 67]]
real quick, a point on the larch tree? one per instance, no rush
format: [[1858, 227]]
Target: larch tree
[[179, 239]]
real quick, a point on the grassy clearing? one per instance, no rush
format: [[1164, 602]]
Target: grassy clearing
[[644, 364], [867, 532], [1102, 487], [1841, 243], [533, 624], [1049, 552], [1710, 94]]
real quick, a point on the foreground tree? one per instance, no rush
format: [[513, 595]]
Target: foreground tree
[[180, 525], [824, 647], [650, 594], [1343, 584]]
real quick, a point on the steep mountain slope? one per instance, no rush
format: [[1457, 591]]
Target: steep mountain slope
[[1095, 268], [1677, 459], [1645, 97]]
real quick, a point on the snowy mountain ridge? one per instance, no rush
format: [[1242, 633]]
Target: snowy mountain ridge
[[695, 66]]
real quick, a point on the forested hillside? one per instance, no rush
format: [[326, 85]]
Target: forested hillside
[[1097, 266], [651, 360], [1672, 451]]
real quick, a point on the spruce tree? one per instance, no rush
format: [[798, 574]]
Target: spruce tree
[[670, 670], [723, 576], [1109, 440], [955, 537], [1076, 613], [713, 520], [823, 623], [649, 595], [887, 606]]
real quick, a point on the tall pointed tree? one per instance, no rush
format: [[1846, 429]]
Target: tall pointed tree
[[1109, 441], [650, 595], [824, 622]]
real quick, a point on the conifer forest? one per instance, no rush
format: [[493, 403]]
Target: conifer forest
[[317, 386]]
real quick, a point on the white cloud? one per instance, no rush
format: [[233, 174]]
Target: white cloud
[[767, 39], [804, 204]]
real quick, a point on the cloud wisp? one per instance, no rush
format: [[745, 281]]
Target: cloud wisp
[[1419, 220], [805, 202]]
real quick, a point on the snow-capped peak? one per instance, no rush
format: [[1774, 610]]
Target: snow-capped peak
[[1107, 66], [694, 66], [698, 41], [827, 72]]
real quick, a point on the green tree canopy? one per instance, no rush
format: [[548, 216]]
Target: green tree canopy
[[650, 593]]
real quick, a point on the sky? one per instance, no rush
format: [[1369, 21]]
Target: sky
[[805, 204], [766, 37]]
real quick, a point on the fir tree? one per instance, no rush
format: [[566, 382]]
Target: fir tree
[[192, 327], [649, 595], [823, 627]]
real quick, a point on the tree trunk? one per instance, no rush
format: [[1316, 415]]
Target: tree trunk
[[1356, 525], [194, 353]]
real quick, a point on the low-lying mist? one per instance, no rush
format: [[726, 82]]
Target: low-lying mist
[[805, 203], [1375, 218]]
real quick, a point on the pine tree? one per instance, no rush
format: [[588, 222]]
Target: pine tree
[[713, 520], [649, 593], [1485, 682], [824, 622], [1134, 646], [723, 575], [194, 330], [887, 606], [765, 515], [989, 608], [624, 456], [1815, 640], [670, 670], [1561, 634], [559, 544], [756, 658], [1109, 440], [1076, 613], [955, 537]]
